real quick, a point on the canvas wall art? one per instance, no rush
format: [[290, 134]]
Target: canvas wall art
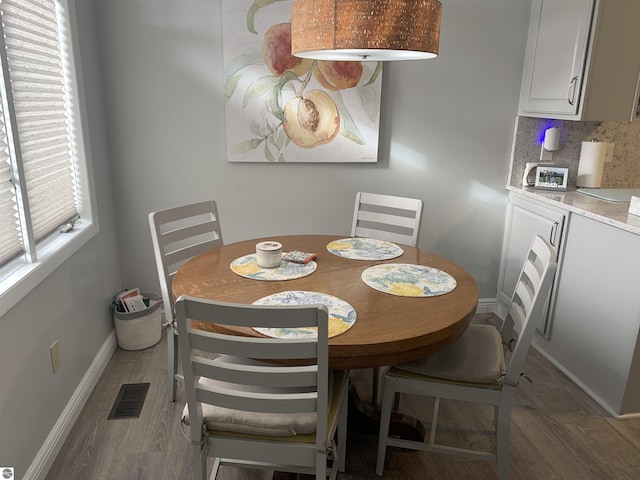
[[280, 108]]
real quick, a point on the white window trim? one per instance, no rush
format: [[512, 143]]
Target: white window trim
[[18, 278]]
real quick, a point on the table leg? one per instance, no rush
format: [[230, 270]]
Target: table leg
[[364, 417], [375, 386]]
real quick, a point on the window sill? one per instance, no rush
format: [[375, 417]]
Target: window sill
[[26, 276]]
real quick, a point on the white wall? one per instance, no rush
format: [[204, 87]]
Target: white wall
[[71, 306], [445, 134]]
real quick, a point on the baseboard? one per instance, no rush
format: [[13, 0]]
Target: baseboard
[[487, 305], [48, 452], [628, 416], [610, 410]]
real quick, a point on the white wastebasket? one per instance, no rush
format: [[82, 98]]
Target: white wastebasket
[[139, 330]]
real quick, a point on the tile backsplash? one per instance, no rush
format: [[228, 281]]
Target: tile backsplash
[[623, 171]]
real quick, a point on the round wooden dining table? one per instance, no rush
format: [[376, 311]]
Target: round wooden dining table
[[389, 329]]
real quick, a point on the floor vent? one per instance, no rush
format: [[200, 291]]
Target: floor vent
[[130, 400]]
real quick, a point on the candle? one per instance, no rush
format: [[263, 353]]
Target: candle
[[268, 254]]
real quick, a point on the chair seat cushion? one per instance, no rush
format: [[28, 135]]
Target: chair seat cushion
[[476, 357], [255, 423]]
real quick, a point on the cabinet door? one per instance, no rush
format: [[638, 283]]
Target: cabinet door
[[597, 314], [555, 57], [525, 219]]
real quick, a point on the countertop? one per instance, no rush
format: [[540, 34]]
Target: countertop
[[612, 213]]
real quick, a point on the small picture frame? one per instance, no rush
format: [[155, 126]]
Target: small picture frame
[[551, 178]]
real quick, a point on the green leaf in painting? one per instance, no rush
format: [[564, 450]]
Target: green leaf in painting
[[255, 128], [286, 77], [257, 5], [251, 14], [242, 61], [267, 153], [349, 128], [259, 88], [282, 137], [369, 100], [272, 103], [231, 85], [268, 126], [374, 76], [246, 146]]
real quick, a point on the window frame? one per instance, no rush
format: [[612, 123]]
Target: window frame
[[20, 276]]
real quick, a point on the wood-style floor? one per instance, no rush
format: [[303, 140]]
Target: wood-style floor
[[557, 432]]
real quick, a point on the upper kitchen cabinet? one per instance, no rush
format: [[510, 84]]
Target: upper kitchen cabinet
[[582, 60]]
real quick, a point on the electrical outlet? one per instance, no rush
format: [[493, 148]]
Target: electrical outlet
[[546, 156], [54, 351], [608, 156]]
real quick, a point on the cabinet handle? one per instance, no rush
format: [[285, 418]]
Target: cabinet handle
[[571, 94], [554, 234]]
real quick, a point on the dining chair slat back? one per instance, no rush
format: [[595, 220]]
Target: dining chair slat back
[[276, 413], [178, 234], [387, 217]]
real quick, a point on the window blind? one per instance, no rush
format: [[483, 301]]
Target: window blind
[[40, 113], [10, 239]]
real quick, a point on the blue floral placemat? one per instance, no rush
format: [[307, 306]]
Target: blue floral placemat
[[408, 280], [342, 315], [358, 248], [246, 266]]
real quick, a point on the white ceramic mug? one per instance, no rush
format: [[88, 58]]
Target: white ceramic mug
[[268, 254]]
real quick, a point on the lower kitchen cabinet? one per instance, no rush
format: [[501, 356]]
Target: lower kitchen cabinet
[[596, 316], [526, 218]]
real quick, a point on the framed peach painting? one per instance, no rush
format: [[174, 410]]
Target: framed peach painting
[[280, 108]]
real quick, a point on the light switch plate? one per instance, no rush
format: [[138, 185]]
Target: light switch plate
[[54, 351]]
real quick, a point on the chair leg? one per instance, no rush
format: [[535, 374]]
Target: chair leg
[[321, 467], [385, 419], [199, 463], [503, 421], [342, 431], [214, 470], [378, 379], [172, 362], [502, 451], [434, 420]]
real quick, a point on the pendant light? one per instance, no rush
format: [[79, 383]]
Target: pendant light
[[365, 30]]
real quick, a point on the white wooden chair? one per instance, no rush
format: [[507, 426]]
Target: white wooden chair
[[276, 416], [179, 234], [386, 217], [390, 218], [475, 367]]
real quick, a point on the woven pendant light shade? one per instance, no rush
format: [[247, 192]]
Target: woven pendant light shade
[[372, 30]]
